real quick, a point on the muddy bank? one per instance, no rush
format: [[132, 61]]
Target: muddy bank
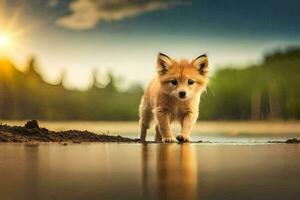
[[288, 141], [31, 132]]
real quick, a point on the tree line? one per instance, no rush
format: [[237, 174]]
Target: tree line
[[266, 91], [25, 95]]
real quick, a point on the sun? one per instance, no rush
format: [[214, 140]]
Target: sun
[[5, 41], [13, 36]]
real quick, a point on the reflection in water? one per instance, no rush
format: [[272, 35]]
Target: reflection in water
[[31, 166], [176, 172], [154, 171], [19, 170], [145, 170]]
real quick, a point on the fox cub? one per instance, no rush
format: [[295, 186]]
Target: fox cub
[[173, 95]]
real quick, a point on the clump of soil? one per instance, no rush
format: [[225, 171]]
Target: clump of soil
[[293, 141], [288, 141], [31, 132], [32, 124]]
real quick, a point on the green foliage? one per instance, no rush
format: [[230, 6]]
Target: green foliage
[[266, 91], [27, 96]]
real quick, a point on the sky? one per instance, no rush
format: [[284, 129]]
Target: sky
[[79, 37]]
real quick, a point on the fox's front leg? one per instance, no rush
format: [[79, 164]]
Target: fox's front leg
[[187, 123], [163, 121]]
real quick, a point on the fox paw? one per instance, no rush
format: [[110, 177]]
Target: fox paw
[[182, 138], [169, 140]]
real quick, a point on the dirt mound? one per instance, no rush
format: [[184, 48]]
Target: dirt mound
[[293, 141], [31, 132]]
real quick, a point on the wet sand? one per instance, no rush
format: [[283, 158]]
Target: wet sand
[[152, 171]]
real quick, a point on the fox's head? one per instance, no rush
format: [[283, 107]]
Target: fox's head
[[182, 79]]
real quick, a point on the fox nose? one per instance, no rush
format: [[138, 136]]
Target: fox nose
[[182, 94]]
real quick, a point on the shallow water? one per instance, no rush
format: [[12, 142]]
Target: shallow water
[[154, 171]]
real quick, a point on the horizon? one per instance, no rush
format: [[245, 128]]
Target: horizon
[[103, 79]]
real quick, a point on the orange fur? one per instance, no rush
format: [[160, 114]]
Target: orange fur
[[165, 102]]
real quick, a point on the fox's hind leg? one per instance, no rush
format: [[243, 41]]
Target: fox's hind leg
[[146, 117]]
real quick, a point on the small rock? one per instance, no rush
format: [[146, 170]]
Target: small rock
[[32, 124], [293, 141]]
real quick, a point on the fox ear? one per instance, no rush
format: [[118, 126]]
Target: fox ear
[[201, 63], [164, 63]]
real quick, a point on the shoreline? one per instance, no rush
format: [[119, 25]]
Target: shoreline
[[31, 132], [233, 128]]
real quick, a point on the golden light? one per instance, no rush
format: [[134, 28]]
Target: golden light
[[13, 36], [5, 41]]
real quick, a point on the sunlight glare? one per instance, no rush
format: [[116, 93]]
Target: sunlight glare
[[5, 41]]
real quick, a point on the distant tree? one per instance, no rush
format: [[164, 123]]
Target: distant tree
[[263, 92]]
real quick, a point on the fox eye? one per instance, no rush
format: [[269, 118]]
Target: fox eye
[[190, 82], [174, 82]]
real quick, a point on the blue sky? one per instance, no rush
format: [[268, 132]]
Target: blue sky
[[125, 36]]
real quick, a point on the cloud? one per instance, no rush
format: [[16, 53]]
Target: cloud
[[86, 14]]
